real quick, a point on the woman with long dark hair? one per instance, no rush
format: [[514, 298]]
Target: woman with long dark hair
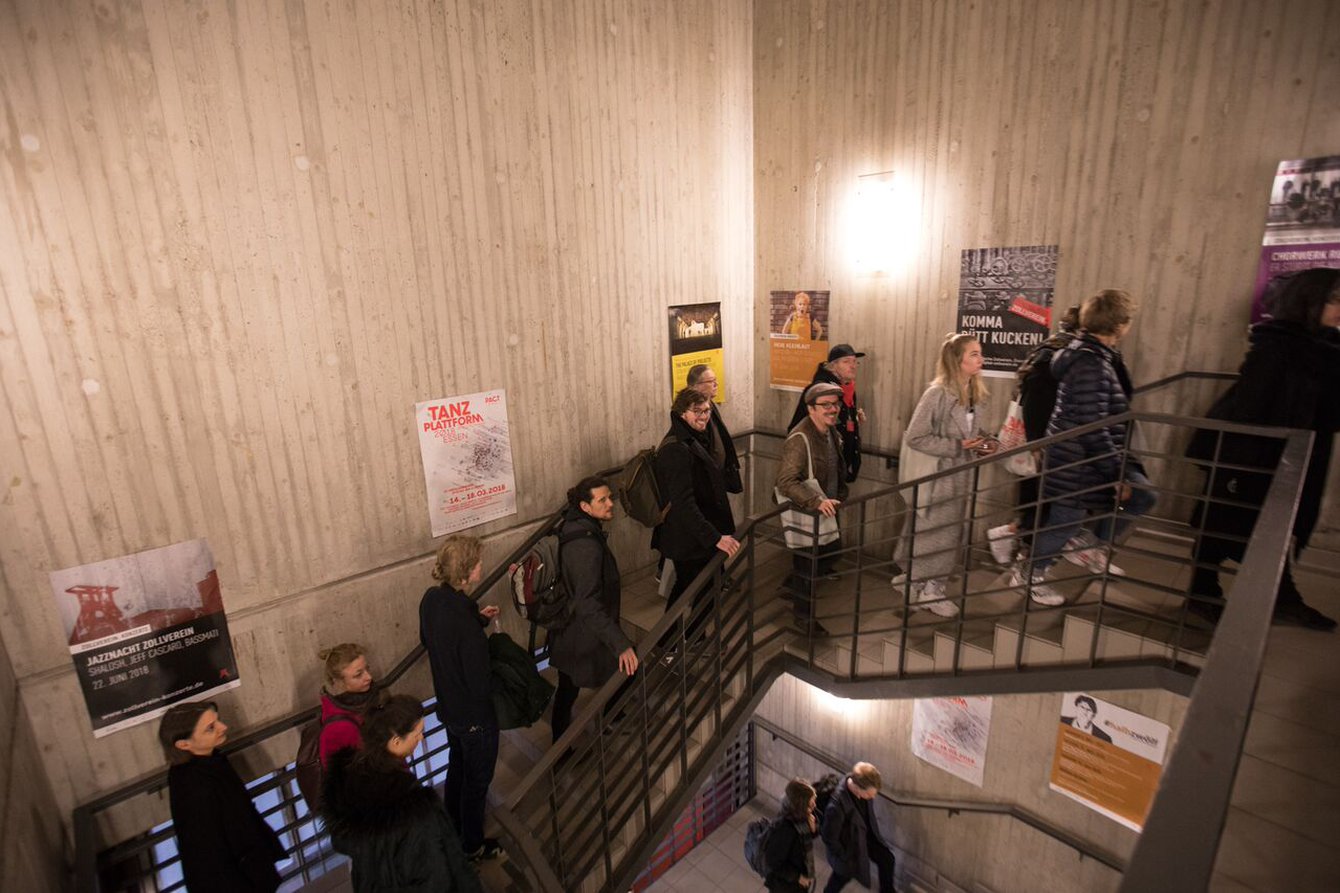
[[223, 842], [1290, 378], [392, 827], [789, 853]]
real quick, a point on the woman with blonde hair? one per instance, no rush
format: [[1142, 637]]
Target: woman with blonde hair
[[947, 427], [348, 691], [451, 628]]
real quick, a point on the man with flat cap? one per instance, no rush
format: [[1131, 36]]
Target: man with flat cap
[[841, 371], [813, 450]]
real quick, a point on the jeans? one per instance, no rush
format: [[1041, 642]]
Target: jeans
[[1065, 517], [474, 751], [881, 855]]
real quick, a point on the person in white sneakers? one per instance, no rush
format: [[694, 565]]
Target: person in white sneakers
[[1091, 472], [947, 425], [1036, 393]]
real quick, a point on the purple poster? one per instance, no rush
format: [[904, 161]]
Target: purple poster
[[1302, 223]]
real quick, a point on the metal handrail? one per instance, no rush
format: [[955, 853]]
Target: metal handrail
[[951, 806]]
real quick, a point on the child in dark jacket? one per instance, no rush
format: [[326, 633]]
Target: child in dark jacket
[[789, 853], [393, 828]]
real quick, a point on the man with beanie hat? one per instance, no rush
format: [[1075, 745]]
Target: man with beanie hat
[[813, 449], [840, 369]]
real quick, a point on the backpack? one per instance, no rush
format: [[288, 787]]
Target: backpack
[[638, 493], [307, 769], [538, 591], [756, 845]]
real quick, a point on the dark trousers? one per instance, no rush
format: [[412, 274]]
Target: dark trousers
[[799, 584], [470, 761], [566, 696], [881, 855], [685, 573], [1233, 519]]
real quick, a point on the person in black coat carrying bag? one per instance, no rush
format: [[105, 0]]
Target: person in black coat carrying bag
[[789, 853], [851, 832], [224, 844], [698, 521], [1289, 378], [451, 628], [841, 371], [591, 647]]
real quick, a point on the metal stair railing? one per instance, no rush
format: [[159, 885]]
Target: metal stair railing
[[590, 811]]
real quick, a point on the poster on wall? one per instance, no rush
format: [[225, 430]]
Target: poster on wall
[[1108, 758], [952, 734], [1005, 298], [467, 460], [797, 337], [145, 631], [1302, 223], [695, 337]]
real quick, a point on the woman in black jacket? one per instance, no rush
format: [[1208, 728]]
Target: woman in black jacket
[[1290, 378], [698, 521], [393, 828], [223, 842], [789, 853]]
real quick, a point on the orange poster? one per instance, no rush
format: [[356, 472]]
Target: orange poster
[[1108, 758], [797, 337]]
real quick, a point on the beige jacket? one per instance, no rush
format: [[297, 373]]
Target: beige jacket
[[794, 468]]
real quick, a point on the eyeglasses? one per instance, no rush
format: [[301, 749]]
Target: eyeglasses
[[829, 405], [707, 411]]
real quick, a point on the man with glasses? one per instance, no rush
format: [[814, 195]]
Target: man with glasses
[[719, 443], [841, 371], [698, 521], [813, 451]]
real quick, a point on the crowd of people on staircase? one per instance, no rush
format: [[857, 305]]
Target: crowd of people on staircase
[[401, 836]]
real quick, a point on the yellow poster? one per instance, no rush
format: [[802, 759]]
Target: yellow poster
[[695, 339], [797, 337], [1108, 758]]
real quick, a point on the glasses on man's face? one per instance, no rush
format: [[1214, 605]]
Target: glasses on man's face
[[827, 406], [706, 410]]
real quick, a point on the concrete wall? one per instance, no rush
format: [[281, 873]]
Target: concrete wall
[[1000, 853], [1141, 138], [238, 243]]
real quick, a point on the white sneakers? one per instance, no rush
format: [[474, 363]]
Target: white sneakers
[[930, 596], [1001, 540], [1091, 555], [1039, 591]]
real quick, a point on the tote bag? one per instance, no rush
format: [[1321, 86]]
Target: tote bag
[[797, 526], [1013, 434]]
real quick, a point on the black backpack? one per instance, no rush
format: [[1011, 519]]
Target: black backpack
[[307, 770], [538, 591], [756, 844]]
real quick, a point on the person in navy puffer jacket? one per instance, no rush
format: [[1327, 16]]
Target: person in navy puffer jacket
[[1091, 472]]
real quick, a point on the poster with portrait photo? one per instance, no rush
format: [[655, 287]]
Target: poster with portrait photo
[[1005, 299], [797, 337], [1108, 758], [695, 339], [1302, 223], [145, 631]]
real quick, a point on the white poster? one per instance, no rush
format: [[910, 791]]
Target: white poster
[[467, 460], [952, 734], [1108, 758]]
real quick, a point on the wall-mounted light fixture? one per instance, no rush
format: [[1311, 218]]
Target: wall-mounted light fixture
[[883, 224]]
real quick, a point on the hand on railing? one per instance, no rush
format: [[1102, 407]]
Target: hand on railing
[[828, 507], [628, 662], [728, 544]]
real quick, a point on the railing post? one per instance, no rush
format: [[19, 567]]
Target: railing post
[[860, 570]]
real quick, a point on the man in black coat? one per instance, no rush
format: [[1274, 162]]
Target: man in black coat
[[851, 832], [591, 647], [698, 521], [719, 442], [451, 628], [841, 371]]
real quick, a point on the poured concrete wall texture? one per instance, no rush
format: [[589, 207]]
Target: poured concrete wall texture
[[238, 243]]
